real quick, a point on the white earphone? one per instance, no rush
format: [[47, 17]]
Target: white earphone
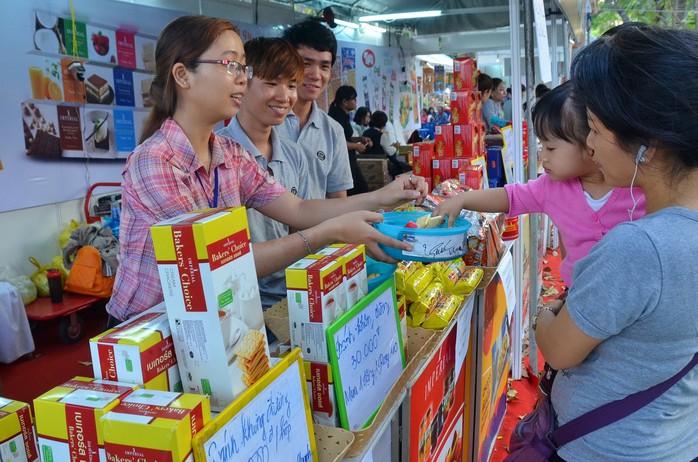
[[640, 156]]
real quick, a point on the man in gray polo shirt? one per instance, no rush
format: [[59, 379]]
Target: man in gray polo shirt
[[269, 97], [321, 136]]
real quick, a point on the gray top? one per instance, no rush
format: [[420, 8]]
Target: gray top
[[288, 163], [326, 148], [636, 290]]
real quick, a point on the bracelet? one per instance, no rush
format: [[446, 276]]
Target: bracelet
[[541, 309], [305, 240]]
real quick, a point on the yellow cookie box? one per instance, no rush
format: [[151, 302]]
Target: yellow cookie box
[[154, 425], [67, 418], [17, 443]]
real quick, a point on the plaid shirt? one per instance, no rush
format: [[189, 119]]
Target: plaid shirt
[[159, 182]]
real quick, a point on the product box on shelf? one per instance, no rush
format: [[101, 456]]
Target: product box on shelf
[[139, 351], [441, 170], [67, 418], [154, 425], [17, 440], [443, 141], [321, 390], [209, 281], [471, 176], [465, 73], [353, 260], [316, 296], [466, 141], [464, 107], [422, 154]]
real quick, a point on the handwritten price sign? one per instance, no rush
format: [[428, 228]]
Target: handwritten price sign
[[437, 247], [366, 355], [270, 421]]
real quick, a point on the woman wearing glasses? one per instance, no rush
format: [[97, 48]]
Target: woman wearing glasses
[[181, 165]]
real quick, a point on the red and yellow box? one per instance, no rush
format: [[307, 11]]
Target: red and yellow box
[[471, 176], [17, 440], [353, 259], [465, 74], [464, 107], [154, 425], [321, 391], [209, 282], [465, 141], [316, 297], [441, 170], [422, 154], [443, 141], [67, 418], [139, 351]]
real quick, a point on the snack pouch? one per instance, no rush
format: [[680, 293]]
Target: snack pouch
[[428, 299], [467, 282], [441, 315], [404, 270], [451, 272], [417, 283]]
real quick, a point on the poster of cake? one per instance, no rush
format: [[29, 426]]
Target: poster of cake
[[45, 78], [101, 44], [145, 52], [99, 84]]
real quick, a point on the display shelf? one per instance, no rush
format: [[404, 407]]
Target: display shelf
[[90, 62]]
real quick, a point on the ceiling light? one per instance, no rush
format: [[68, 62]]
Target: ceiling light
[[372, 28], [364, 27], [442, 59], [344, 23], [407, 15]]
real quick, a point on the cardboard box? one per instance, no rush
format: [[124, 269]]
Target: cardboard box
[[422, 154], [316, 297], [67, 418], [211, 293], [139, 351], [471, 176], [17, 440], [353, 260], [465, 74], [443, 141], [154, 425], [464, 106], [440, 170], [375, 171], [323, 401], [465, 141]]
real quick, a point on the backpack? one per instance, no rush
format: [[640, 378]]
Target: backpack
[[86, 276]]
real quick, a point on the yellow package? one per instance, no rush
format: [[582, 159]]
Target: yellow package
[[452, 273], [404, 270], [467, 282], [441, 315], [416, 320], [417, 283], [428, 299]]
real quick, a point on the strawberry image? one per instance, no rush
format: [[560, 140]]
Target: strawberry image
[[100, 43]]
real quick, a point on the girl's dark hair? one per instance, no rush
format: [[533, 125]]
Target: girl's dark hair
[[345, 92], [312, 34], [556, 115], [622, 78], [484, 83], [182, 41], [360, 114], [379, 119], [495, 82]]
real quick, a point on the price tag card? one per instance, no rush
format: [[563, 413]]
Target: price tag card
[[366, 355], [269, 421]]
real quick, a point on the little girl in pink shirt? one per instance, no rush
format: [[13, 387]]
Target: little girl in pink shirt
[[572, 191]]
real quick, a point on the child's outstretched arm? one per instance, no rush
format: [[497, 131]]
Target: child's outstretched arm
[[481, 200]]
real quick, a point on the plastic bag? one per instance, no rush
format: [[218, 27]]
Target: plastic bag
[[57, 262], [39, 278], [27, 289], [64, 236]]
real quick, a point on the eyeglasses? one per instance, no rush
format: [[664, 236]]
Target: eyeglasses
[[234, 67]]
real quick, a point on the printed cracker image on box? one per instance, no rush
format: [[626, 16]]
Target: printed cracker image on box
[[153, 425], [323, 401], [139, 351], [316, 297], [67, 418], [17, 440], [212, 298]]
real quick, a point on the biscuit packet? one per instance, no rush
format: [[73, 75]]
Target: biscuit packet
[[467, 282], [443, 312], [450, 272], [416, 320], [404, 270], [428, 299], [417, 283]]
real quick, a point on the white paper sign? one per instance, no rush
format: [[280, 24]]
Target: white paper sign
[[367, 356], [272, 426], [463, 333], [506, 272], [436, 247]]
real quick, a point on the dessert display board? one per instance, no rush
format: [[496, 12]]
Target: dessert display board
[[269, 421], [366, 355]]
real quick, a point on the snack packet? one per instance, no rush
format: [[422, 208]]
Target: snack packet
[[417, 283], [428, 299], [404, 270], [441, 315], [467, 282]]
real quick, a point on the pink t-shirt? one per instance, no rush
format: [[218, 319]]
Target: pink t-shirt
[[565, 204], [160, 182]]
